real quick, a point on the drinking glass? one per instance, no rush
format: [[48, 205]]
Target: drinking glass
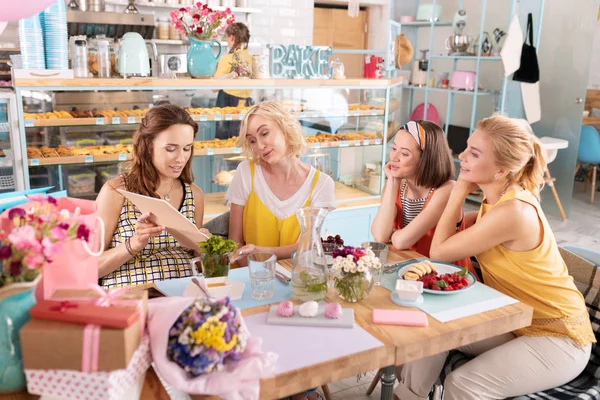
[[262, 275], [381, 252]]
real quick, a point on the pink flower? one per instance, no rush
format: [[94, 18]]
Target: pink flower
[[50, 249], [229, 22], [34, 260], [57, 234], [211, 18], [228, 11], [204, 12], [23, 238]]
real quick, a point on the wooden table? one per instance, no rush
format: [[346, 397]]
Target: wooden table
[[399, 345]]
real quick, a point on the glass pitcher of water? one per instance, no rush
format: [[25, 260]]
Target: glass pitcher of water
[[309, 271]]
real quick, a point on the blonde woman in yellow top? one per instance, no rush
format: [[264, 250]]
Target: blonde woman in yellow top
[[237, 36], [519, 257], [273, 183]]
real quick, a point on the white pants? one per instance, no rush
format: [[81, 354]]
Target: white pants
[[504, 366]]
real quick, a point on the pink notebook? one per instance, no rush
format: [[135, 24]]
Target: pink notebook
[[400, 317]]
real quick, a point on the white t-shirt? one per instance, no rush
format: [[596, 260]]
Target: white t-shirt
[[323, 194]]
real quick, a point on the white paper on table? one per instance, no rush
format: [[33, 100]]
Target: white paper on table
[[472, 309], [531, 101], [511, 51]]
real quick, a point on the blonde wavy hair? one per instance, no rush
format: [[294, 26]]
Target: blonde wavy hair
[[288, 124], [518, 151]]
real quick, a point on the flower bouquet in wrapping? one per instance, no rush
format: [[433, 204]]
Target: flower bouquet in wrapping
[[206, 336], [204, 347], [34, 238]]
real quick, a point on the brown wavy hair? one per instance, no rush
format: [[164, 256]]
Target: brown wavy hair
[[141, 176], [241, 36], [436, 166]]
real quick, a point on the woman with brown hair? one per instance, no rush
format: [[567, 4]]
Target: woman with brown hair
[[237, 36], [519, 257], [419, 181], [139, 251]]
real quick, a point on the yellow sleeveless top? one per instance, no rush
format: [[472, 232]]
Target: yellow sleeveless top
[[262, 228], [540, 279]]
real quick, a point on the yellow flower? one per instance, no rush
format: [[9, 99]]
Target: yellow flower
[[210, 334]]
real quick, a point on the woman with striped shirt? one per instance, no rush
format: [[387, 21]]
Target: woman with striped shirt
[[419, 181]]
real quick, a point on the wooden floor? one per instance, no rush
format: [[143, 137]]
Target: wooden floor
[[581, 229]]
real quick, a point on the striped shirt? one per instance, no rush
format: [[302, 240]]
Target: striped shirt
[[411, 208], [163, 258]]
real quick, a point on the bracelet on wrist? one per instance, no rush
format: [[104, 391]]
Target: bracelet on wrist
[[129, 248]]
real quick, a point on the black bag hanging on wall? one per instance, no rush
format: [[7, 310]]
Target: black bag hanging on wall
[[529, 70]]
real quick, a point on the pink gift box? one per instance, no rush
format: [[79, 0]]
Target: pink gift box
[[123, 384]]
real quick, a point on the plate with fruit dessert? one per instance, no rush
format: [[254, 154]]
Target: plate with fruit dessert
[[438, 277]]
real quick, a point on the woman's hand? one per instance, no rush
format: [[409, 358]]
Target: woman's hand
[[388, 171], [144, 230], [463, 188], [243, 252]]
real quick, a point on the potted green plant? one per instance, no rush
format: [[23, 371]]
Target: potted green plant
[[215, 256]]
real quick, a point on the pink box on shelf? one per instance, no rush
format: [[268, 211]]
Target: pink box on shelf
[[125, 384]]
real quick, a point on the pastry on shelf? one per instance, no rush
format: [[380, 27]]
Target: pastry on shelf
[[64, 151], [81, 151], [48, 152], [34, 152]]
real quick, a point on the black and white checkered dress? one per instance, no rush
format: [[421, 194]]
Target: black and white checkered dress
[[163, 258]]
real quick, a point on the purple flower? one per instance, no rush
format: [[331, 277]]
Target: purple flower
[[15, 268], [83, 232], [63, 225], [16, 212], [5, 252]]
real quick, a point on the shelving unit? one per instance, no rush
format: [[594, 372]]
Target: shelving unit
[[240, 10], [105, 158], [477, 59], [31, 123]]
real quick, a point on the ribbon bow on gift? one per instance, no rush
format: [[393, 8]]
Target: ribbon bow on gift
[[63, 306], [109, 297]]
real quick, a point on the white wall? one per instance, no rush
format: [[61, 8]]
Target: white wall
[[282, 21]]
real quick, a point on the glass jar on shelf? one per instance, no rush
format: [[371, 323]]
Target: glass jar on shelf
[[224, 168], [102, 57], [162, 31], [174, 33], [337, 69]]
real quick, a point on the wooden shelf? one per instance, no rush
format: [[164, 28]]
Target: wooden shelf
[[34, 123], [590, 121], [138, 3], [103, 158], [189, 83]]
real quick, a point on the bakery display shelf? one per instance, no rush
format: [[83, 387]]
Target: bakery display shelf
[[35, 123], [103, 158]]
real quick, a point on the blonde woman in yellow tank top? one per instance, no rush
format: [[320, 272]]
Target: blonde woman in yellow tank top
[[518, 256], [273, 184]]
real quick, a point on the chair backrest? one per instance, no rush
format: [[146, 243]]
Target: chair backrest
[[219, 225], [587, 278], [589, 145]]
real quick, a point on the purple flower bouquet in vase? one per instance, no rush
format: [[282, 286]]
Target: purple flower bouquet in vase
[[353, 272]]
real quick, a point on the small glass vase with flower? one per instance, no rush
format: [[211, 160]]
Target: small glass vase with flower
[[353, 272]]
